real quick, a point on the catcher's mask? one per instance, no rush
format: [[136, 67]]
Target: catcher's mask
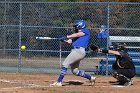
[[119, 46]]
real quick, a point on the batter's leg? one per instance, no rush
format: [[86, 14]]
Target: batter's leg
[[77, 72], [74, 56]]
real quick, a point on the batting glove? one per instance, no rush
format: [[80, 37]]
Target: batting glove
[[63, 38]]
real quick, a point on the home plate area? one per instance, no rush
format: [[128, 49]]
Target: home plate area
[[38, 83]]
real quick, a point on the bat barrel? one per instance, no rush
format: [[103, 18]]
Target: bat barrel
[[45, 38]]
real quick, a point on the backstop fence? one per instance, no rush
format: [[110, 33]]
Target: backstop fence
[[21, 22]]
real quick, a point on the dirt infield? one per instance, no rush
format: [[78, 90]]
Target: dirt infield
[[39, 83]]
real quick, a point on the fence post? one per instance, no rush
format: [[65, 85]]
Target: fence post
[[60, 53], [20, 26], [108, 14]]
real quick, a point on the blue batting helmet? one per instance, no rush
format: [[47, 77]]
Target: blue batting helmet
[[80, 24]]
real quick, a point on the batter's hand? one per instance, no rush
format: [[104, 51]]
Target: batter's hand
[[94, 47], [63, 38]]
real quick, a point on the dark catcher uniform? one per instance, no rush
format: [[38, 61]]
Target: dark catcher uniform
[[123, 68]]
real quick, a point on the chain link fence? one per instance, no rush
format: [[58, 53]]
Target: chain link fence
[[21, 22]]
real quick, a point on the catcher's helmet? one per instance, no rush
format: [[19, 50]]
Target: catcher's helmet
[[119, 46], [80, 24]]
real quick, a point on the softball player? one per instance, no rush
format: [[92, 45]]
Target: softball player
[[79, 41], [123, 68]]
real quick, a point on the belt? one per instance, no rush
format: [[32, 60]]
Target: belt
[[75, 47]]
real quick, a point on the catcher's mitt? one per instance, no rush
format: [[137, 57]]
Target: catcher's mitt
[[94, 47]]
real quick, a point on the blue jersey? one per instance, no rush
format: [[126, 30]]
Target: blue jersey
[[102, 35], [83, 40]]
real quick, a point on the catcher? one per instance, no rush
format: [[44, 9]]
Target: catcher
[[123, 68]]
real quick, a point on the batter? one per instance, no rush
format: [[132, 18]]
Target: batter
[[79, 41]]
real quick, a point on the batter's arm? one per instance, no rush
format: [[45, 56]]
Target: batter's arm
[[79, 34], [69, 41]]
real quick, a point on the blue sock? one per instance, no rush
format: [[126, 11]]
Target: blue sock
[[83, 74], [63, 72]]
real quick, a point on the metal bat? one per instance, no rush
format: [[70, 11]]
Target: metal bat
[[45, 38]]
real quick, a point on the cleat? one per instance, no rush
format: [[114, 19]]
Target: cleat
[[56, 84], [129, 83], [93, 80], [132, 82]]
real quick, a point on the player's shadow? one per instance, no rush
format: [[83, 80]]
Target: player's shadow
[[114, 82], [73, 83]]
